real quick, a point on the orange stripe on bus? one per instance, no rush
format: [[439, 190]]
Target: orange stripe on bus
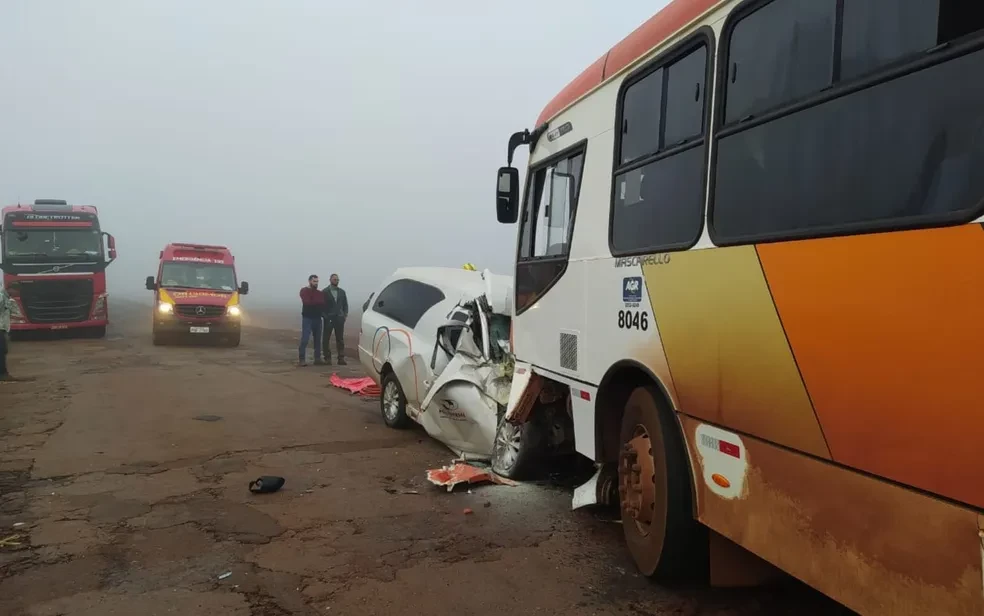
[[888, 331]]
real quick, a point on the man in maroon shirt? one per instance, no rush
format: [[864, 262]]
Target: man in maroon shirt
[[312, 312]]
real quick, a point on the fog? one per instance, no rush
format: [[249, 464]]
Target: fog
[[309, 136]]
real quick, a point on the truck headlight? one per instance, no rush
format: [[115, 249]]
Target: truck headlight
[[234, 311], [165, 308]]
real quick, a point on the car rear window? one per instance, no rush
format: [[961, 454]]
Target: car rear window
[[405, 301]]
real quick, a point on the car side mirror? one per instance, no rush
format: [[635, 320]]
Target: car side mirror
[[507, 195], [151, 284], [244, 288]]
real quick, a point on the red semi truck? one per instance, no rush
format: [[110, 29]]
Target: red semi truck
[[196, 294], [54, 259]]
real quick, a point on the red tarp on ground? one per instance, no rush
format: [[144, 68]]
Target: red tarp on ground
[[451, 476], [364, 386]]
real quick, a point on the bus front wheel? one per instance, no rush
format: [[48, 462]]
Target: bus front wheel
[[654, 492]]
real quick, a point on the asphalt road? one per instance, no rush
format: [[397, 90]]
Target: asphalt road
[[123, 490]]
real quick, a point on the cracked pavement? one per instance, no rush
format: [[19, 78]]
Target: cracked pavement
[[115, 499]]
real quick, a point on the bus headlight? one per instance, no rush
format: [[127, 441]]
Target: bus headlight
[[165, 308], [234, 311]]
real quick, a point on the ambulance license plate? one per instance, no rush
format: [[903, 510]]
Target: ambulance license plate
[[199, 330]]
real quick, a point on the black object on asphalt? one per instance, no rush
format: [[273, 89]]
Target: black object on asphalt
[[267, 484]]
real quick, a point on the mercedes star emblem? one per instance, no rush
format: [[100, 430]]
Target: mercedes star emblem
[[200, 311]]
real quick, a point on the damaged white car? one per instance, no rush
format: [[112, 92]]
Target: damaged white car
[[437, 340]]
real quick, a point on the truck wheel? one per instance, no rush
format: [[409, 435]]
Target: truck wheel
[[516, 449], [97, 332], [158, 338], [654, 488], [393, 403], [233, 340]]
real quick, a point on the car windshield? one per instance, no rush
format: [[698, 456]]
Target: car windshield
[[198, 276], [52, 244]]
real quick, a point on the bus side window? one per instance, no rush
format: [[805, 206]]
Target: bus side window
[[659, 190], [896, 151]]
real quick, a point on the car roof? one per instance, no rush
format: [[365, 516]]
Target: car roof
[[457, 283]]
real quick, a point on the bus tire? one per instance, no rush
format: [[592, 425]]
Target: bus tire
[[664, 539]]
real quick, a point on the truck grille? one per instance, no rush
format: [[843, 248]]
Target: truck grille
[[57, 301], [201, 312]]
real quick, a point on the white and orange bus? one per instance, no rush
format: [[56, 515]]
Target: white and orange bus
[[750, 248]]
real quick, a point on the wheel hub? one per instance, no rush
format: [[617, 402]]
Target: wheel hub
[[391, 401], [637, 478]]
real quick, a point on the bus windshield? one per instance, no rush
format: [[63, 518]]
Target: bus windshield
[[40, 245], [214, 277]]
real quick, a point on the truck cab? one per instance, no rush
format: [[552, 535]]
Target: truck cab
[[54, 257], [197, 295]]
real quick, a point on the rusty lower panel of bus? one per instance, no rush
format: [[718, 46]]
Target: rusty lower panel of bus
[[875, 546]]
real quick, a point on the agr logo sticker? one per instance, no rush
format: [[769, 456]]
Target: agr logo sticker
[[632, 291]]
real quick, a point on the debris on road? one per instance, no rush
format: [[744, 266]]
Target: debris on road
[[267, 484], [364, 386], [225, 575], [601, 489], [459, 472], [18, 524], [395, 491], [467, 511], [10, 541], [207, 417]]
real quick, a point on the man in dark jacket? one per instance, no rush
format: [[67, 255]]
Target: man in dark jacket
[[312, 311], [336, 311]]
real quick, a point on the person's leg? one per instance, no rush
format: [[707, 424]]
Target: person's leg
[[305, 334], [326, 340], [317, 331], [3, 354], [339, 326]]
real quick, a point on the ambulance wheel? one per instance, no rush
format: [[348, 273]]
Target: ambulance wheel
[[663, 537], [393, 403]]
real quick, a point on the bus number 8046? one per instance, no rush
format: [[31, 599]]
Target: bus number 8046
[[633, 319]]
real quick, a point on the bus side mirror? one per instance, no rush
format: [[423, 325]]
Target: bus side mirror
[[111, 242], [507, 195], [151, 285], [244, 288]]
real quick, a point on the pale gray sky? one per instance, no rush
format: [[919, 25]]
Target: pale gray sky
[[309, 136]]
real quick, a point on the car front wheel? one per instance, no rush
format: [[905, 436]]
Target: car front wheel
[[516, 449]]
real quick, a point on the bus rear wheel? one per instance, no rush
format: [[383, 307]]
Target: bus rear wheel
[[663, 537]]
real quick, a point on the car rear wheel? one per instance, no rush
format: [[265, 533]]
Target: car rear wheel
[[516, 448], [654, 488], [393, 403]]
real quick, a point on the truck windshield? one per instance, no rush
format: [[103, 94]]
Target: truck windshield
[[40, 245], [198, 276]]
